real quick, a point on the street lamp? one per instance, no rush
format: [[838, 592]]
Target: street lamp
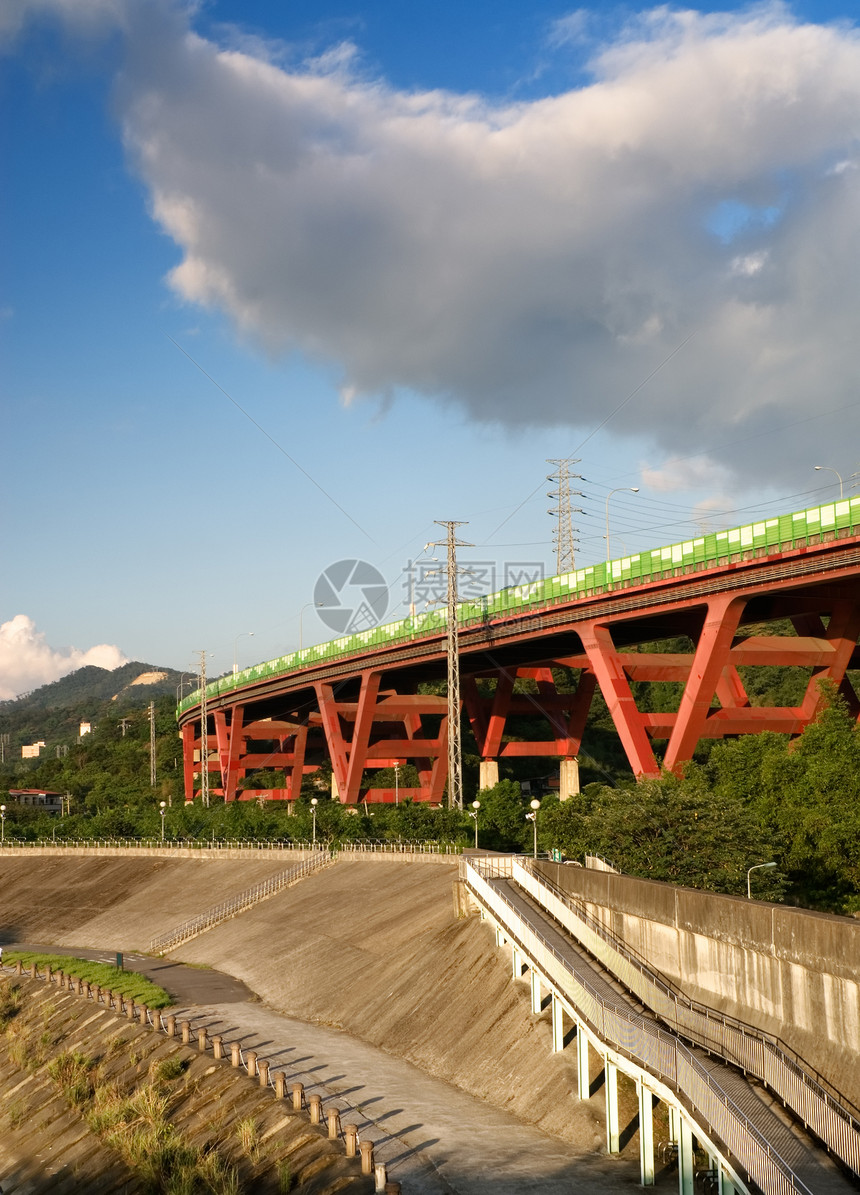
[[622, 489], [757, 867], [241, 635], [2, 824], [476, 805], [397, 784], [532, 817], [314, 804], [828, 469], [162, 805], [306, 606]]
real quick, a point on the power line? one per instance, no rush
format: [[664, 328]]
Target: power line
[[271, 439]]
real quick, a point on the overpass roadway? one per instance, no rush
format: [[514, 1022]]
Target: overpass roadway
[[362, 701]]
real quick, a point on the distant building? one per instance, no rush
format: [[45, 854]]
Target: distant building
[[39, 798], [85, 728], [32, 751]]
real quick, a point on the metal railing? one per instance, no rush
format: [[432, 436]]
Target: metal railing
[[742, 1045], [656, 1050], [238, 904]]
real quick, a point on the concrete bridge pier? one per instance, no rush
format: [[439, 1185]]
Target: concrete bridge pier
[[613, 1126], [568, 779], [583, 1074], [686, 1170], [646, 1134], [557, 1025], [536, 993], [517, 964], [488, 773]]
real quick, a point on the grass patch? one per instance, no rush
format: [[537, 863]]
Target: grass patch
[[131, 984], [10, 1002]]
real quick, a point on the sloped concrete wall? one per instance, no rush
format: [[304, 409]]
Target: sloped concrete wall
[[792, 972]]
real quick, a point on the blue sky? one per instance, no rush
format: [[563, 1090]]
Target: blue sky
[[423, 248]]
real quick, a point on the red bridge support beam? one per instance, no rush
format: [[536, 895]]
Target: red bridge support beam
[[608, 668], [709, 663], [377, 729]]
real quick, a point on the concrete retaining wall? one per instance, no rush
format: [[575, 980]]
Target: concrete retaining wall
[[791, 972]]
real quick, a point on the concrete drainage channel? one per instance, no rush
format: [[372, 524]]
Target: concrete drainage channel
[[342, 1139]]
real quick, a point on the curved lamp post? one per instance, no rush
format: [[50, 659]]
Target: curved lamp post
[[306, 606], [757, 867], [828, 469], [241, 635], [161, 807], [622, 489], [532, 817], [396, 783], [473, 813]]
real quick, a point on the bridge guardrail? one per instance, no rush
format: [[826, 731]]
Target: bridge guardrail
[[657, 1050], [742, 1045], [237, 904]]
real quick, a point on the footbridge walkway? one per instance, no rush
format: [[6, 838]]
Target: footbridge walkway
[[706, 1068]]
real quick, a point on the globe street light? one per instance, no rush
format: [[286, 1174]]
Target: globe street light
[[532, 817], [241, 635], [476, 805], [828, 469], [314, 803], [622, 489], [162, 805], [757, 867], [2, 824]]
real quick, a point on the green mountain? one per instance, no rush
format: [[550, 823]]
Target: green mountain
[[54, 712]]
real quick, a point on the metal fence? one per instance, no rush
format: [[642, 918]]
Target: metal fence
[[743, 1045], [657, 1050], [237, 904]]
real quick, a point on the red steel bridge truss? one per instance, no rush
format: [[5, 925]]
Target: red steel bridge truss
[[370, 711]]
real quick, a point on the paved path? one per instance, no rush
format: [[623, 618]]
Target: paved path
[[434, 1138]]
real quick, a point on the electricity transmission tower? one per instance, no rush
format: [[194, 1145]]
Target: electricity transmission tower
[[455, 751], [204, 731], [563, 534]]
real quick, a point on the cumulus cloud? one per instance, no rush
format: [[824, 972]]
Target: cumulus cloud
[[27, 661], [533, 262]]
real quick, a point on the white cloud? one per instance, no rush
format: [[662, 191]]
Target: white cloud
[[533, 262], [696, 473], [27, 661]]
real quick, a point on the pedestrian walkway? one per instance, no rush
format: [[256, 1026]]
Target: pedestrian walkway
[[434, 1138], [807, 1160]]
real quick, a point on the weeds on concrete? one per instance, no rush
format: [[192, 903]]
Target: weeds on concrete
[[168, 1068], [16, 1113], [285, 1177], [249, 1138], [10, 1002], [73, 1073]]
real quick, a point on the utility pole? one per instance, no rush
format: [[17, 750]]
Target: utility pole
[[124, 723], [455, 752], [563, 536], [4, 746], [204, 731], [152, 744]]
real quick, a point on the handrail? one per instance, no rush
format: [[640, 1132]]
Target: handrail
[[657, 1050], [237, 904], [710, 1016]]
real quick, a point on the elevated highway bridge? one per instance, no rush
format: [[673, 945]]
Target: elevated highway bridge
[[361, 700]]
